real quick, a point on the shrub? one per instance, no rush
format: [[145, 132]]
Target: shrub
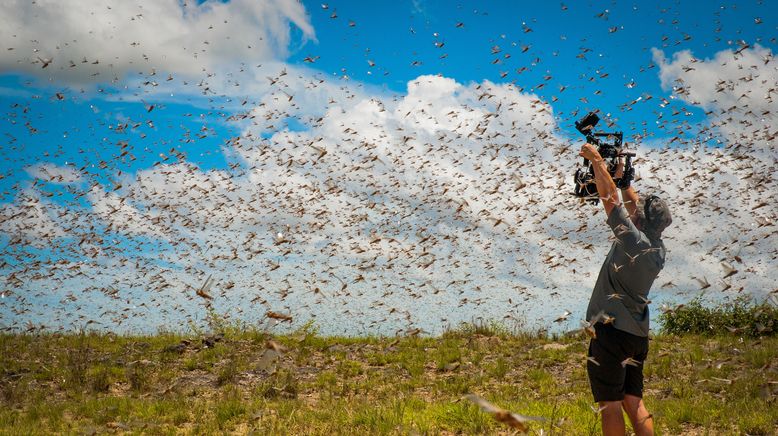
[[742, 316]]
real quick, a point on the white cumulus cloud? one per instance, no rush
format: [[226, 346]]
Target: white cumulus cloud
[[101, 41], [738, 89], [57, 174], [377, 213]]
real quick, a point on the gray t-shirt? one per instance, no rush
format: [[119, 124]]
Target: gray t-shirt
[[626, 276]]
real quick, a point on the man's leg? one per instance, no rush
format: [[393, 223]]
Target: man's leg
[[607, 377], [612, 418], [642, 421]]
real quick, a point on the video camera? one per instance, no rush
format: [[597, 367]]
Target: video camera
[[610, 148]]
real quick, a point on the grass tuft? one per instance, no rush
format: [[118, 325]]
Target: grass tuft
[[139, 375]]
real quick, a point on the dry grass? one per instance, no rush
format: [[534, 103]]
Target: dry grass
[[53, 383]]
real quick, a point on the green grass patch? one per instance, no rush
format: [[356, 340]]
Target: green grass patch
[[98, 383]]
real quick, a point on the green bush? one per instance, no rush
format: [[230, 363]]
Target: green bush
[[742, 317]]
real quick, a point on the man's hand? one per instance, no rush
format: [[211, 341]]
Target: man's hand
[[606, 189], [588, 151], [619, 169]]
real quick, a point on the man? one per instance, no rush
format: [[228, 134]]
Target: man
[[618, 308]]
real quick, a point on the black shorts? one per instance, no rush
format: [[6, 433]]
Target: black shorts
[[616, 375]]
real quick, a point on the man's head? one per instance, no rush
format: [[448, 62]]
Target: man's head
[[655, 216]]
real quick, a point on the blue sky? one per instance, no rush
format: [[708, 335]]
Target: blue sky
[[614, 38], [592, 50], [146, 105]]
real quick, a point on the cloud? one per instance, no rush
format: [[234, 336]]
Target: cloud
[[61, 175], [102, 41], [376, 212], [737, 89], [123, 217], [31, 220]]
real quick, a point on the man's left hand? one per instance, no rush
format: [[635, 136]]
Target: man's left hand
[[619, 169], [588, 151]]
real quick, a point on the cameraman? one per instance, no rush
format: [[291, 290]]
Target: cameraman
[[618, 308]]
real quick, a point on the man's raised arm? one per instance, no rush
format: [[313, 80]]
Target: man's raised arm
[[630, 197]]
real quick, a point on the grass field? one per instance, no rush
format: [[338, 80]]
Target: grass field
[[247, 381]]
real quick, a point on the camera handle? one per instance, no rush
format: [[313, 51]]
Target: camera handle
[[628, 172], [628, 158]]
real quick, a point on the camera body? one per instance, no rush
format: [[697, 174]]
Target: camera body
[[609, 145]]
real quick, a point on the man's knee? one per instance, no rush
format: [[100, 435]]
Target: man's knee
[[631, 403], [636, 410], [610, 407]]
